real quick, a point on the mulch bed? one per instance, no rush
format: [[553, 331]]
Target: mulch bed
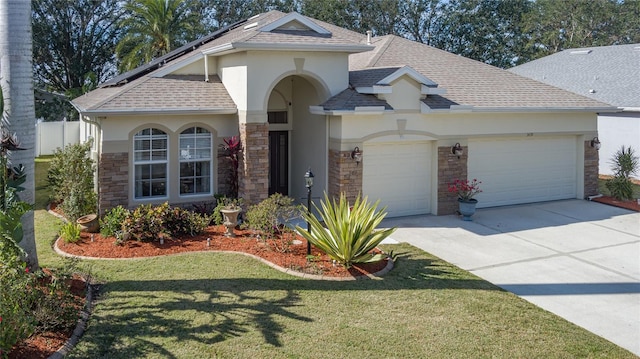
[[632, 204], [288, 251]]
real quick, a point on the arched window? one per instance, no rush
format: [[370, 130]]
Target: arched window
[[195, 161], [150, 148]]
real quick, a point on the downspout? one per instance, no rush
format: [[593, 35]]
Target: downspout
[[206, 68]]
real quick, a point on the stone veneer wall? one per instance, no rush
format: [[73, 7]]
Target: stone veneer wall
[[224, 173], [254, 162], [450, 167], [590, 170], [113, 179], [345, 175]]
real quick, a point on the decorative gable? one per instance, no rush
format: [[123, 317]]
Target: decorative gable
[[383, 86], [295, 22]]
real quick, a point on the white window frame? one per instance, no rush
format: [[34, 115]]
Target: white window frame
[[193, 155], [152, 160]]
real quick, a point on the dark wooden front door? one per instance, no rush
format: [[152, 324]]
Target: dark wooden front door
[[279, 162]]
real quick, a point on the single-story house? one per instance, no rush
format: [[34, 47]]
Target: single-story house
[[609, 74], [378, 116]]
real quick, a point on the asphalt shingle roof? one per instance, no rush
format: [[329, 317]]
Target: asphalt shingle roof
[[183, 92], [609, 74], [467, 82], [349, 99]]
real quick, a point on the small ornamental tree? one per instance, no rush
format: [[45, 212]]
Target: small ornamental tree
[[624, 164], [71, 180], [232, 149]]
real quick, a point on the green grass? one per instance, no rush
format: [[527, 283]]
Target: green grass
[[43, 194], [208, 305]]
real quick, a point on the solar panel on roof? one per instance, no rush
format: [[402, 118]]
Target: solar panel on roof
[[160, 61]]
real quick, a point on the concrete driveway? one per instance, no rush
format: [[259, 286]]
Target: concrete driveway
[[575, 258]]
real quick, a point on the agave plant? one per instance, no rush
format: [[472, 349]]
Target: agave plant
[[350, 234]]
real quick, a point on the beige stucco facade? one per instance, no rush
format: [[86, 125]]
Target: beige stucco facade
[[402, 140]]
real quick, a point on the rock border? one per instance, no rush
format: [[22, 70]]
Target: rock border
[[81, 325]]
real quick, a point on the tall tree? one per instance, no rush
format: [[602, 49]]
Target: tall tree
[[225, 12], [558, 25], [153, 28], [485, 30], [421, 20], [74, 44], [16, 79]]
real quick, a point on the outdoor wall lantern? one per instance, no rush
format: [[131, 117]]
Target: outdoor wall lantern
[[308, 182], [356, 155], [595, 143], [457, 150]]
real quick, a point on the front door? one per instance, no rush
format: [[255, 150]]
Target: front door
[[279, 162]]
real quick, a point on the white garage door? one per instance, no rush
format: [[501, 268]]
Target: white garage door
[[516, 171], [398, 173]]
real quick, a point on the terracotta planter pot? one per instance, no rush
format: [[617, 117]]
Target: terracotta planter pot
[[88, 223]]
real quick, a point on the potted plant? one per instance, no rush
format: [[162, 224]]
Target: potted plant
[[465, 190], [231, 207], [88, 223]]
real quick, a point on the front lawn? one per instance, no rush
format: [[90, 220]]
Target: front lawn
[[207, 305]]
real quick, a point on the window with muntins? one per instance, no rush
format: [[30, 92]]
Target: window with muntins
[[195, 161], [150, 160]]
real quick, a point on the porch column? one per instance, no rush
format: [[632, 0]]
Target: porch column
[[253, 169], [450, 167], [345, 175], [591, 166]]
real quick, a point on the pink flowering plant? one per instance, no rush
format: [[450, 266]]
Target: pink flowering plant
[[465, 189]]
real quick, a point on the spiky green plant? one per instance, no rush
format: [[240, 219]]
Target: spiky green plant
[[624, 164], [350, 233]]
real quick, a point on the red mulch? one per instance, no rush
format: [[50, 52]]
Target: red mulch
[[632, 204], [42, 345], [295, 257], [281, 251]]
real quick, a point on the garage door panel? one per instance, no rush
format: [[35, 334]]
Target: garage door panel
[[398, 175], [516, 171]]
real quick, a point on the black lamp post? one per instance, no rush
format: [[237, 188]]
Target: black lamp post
[[308, 182]]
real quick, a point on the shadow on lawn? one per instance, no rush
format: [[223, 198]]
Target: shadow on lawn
[[208, 310]]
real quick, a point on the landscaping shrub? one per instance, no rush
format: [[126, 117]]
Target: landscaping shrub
[[16, 301], [624, 164], [111, 222], [70, 178], [147, 223], [70, 232], [180, 221], [268, 217], [350, 233], [55, 307], [150, 223]]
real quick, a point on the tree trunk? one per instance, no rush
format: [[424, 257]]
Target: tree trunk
[[16, 79]]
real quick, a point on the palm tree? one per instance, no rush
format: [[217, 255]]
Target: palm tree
[[153, 28], [16, 79]]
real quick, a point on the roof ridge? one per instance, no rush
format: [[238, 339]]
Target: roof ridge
[[388, 39]]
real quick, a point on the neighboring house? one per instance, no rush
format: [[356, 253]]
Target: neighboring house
[[610, 74], [302, 94]]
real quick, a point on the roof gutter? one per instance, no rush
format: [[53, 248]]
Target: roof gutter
[[544, 109], [162, 111]]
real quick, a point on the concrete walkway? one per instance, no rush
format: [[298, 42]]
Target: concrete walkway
[[577, 259]]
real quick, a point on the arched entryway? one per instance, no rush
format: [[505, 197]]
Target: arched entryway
[[297, 138]]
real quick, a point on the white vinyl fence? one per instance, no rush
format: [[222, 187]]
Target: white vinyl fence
[[51, 135]]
